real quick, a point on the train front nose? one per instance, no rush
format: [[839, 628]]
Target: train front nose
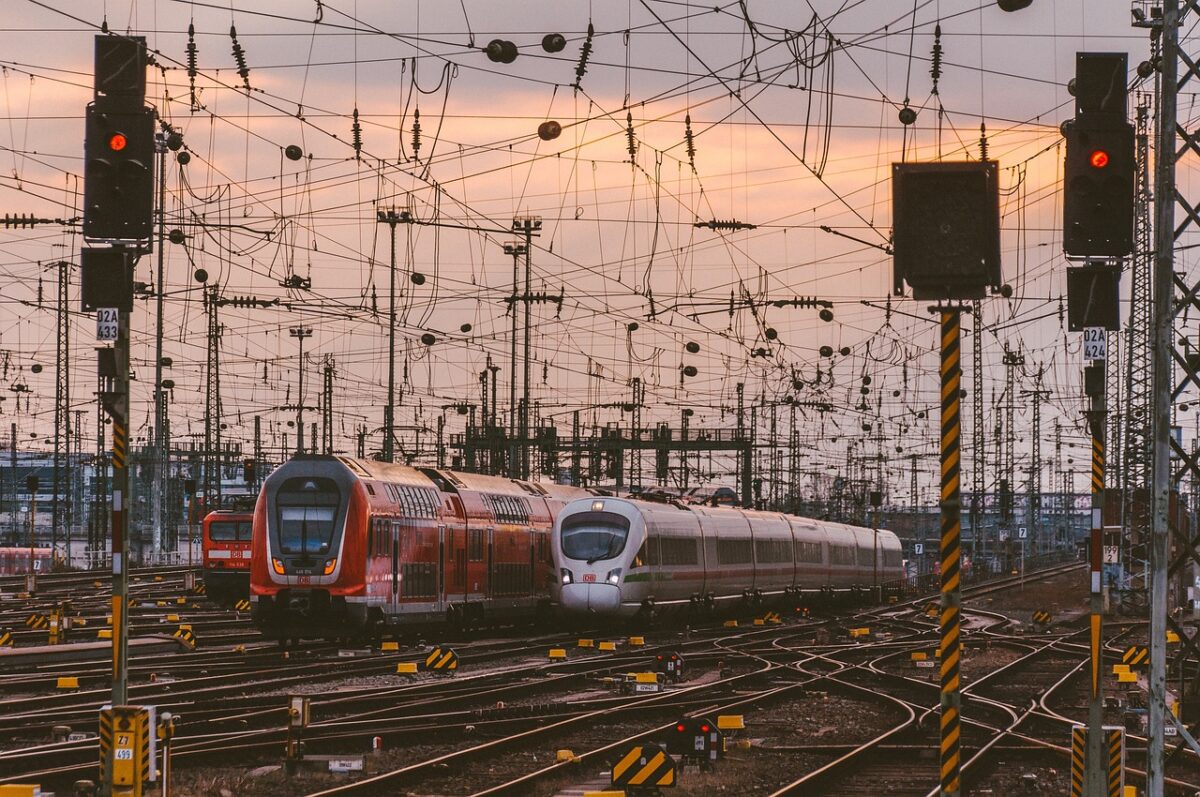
[[591, 598]]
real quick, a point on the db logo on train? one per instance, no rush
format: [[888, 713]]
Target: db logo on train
[[589, 577]]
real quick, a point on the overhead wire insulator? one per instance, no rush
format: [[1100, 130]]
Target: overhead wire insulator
[[983, 142], [239, 55], [585, 52], [689, 140], [191, 63], [416, 134], [356, 136], [935, 67], [631, 145]]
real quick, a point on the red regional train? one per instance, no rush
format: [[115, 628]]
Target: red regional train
[[14, 561], [225, 542], [347, 547]]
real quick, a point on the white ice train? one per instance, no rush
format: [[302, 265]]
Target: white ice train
[[626, 558]]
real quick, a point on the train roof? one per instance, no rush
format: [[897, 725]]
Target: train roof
[[449, 480], [829, 525]]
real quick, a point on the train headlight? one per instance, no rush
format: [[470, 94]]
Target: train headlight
[[567, 578], [277, 566], [330, 564], [614, 576]]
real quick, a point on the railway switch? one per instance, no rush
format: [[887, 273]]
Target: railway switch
[[669, 664], [298, 718]]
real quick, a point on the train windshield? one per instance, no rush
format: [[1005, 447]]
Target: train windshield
[[307, 509], [594, 539], [229, 530]]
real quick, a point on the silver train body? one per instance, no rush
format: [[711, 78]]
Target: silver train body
[[624, 558]]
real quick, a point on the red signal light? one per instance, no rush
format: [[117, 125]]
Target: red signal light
[[704, 729], [659, 657], [680, 727], [117, 142], [1098, 159]]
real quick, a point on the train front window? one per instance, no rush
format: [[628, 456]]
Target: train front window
[[307, 510], [594, 539], [229, 531]]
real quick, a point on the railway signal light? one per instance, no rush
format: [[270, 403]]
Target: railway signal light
[[1098, 187], [118, 176], [946, 220], [1100, 168]]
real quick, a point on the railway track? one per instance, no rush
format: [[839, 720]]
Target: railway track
[[498, 722]]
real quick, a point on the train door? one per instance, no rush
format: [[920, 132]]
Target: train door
[[489, 589], [533, 545], [441, 568], [395, 598]]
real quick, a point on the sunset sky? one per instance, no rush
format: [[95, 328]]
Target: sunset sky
[[793, 111]]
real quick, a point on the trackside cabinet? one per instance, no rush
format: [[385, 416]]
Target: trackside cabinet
[[128, 748]]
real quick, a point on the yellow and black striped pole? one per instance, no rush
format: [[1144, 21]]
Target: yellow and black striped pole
[[951, 550]]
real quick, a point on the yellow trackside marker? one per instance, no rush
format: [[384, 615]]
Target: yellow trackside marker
[[68, 682], [919, 655], [759, 621], [406, 668], [390, 646], [1120, 668], [1172, 637], [731, 624], [104, 633], [586, 643], [636, 641], [608, 646], [731, 722], [1127, 677], [558, 653], [172, 618], [180, 601], [646, 677], [158, 578], [564, 755]]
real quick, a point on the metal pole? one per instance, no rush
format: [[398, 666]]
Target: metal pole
[[390, 218], [300, 333], [512, 466], [160, 451], [951, 642], [118, 409], [1096, 770], [528, 226], [1161, 347]]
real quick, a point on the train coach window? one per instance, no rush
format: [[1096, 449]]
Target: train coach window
[[841, 554], [475, 545], [775, 551], [734, 552], [594, 540], [809, 552], [674, 551], [866, 556]]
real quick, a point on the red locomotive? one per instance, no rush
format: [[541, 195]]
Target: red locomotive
[[225, 543], [345, 547]]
